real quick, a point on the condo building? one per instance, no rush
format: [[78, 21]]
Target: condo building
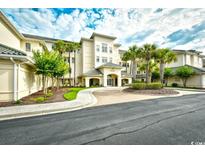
[[97, 63]]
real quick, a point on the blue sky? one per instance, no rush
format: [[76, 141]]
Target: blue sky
[[173, 28]]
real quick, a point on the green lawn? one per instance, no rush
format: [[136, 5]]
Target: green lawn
[[71, 95]]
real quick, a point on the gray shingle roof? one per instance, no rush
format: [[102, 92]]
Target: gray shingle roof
[[93, 72], [125, 74], [42, 38], [196, 69], [110, 65], [6, 50]]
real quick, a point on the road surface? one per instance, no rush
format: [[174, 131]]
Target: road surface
[[177, 120]]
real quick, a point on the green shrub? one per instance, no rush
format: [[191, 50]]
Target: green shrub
[[49, 94], [174, 85], [39, 99], [142, 86], [18, 102]]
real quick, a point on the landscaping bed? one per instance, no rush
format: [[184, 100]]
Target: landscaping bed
[[161, 91], [36, 98]]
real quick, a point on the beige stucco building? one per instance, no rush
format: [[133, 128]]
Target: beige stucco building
[[95, 64], [193, 59]]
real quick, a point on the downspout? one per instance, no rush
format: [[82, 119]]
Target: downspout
[[16, 73], [14, 80]]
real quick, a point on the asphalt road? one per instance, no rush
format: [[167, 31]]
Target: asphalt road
[[179, 120]]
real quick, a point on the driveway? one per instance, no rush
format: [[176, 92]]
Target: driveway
[[177, 120]]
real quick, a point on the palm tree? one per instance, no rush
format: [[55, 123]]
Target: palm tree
[[153, 67], [132, 54], [164, 56], [125, 57], [146, 53], [76, 47]]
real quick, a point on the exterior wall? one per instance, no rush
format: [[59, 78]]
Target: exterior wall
[[110, 43], [179, 62], [34, 46], [28, 82], [87, 56], [194, 81], [87, 81], [108, 71], [8, 37], [6, 80]]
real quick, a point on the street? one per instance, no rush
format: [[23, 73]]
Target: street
[[174, 120]]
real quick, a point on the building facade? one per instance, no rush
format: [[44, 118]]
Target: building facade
[[97, 63]]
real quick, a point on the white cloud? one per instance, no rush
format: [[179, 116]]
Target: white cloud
[[126, 24]]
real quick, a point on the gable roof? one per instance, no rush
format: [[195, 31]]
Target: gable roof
[[110, 65], [93, 72], [102, 35], [42, 38], [196, 69], [6, 50]]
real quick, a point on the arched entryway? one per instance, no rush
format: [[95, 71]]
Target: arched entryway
[[112, 80], [125, 82], [94, 82]]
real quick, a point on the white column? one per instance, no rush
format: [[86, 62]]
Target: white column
[[129, 80], [105, 80], [87, 82], [119, 82]]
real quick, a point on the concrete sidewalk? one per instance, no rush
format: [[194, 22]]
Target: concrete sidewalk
[[84, 99]]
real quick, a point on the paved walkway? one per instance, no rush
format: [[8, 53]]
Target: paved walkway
[[85, 98], [115, 96]]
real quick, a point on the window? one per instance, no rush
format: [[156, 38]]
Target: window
[[124, 64], [128, 65], [68, 59], [98, 48], [110, 49], [73, 60], [97, 59], [138, 72], [28, 46], [104, 59], [104, 47], [120, 63], [111, 60]]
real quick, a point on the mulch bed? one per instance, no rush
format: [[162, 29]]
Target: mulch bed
[[57, 97], [152, 92]]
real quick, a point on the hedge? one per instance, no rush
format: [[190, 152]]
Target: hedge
[[142, 86]]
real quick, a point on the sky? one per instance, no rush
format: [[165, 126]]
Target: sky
[[172, 28]]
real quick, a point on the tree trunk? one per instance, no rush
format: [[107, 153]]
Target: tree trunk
[[69, 68], [52, 83], [126, 67], [162, 72], [184, 82], [74, 68], [43, 82], [147, 73], [134, 69]]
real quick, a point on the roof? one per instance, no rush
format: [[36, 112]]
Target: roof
[[6, 50], [196, 69], [10, 25], [187, 51], [42, 38], [102, 35], [93, 72], [125, 74], [110, 65]]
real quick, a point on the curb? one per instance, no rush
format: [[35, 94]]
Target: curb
[[79, 106]]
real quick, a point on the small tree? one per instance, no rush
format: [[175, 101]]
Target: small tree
[[168, 73], [155, 76], [184, 73]]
